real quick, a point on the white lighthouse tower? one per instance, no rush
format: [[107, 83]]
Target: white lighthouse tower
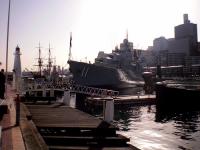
[[17, 70]]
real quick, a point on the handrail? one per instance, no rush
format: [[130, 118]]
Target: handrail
[[73, 87]]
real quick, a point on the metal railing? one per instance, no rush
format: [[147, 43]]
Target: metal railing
[[72, 86]]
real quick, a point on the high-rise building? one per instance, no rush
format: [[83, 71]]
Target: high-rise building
[[185, 41], [186, 34], [160, 44]]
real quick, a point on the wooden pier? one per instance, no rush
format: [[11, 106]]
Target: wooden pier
[[62, 127], [55, 127]]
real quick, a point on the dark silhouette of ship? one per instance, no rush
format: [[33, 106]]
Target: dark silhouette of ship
[[119, 69]]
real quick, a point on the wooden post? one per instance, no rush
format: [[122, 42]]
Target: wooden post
[[44, 92], [66, 98], [138, 94], [35, 89], [108, 110], [51, 93], [73, 100]]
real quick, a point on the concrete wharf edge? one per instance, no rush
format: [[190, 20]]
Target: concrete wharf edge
[[11, 135]]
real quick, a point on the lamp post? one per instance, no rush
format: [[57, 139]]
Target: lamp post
[[8, 25]]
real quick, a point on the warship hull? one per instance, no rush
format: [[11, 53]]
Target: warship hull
[[95, 75]]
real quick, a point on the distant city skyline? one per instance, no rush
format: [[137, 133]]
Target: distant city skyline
[[96, 25]]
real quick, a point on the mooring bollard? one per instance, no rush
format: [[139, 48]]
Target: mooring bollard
[[17, 110], [108, 109], [66, 98]]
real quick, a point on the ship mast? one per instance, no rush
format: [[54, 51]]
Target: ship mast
[[40, 61], [49, 66]]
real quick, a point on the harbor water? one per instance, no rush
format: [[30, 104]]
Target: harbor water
[[149, 129], [152, 130]]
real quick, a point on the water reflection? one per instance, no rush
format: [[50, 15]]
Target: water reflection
[[126, 115], [184, 121], [151, 129]]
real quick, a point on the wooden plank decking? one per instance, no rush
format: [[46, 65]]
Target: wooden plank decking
[[63, 127], [65, 117]]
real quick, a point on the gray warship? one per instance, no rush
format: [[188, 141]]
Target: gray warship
[[119, 69]]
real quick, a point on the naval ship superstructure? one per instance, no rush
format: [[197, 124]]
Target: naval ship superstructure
[[113, 70]]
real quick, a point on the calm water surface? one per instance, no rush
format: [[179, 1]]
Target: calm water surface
[[151, 130]]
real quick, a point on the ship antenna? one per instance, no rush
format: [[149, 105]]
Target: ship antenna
[[70, 46], [127, 34]]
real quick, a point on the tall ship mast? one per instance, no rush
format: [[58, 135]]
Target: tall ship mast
[[49, 65], [40, 62]]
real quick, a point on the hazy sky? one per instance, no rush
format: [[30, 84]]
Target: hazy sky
[[96, 25]]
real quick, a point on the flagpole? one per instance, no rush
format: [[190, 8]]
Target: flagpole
[[8, 25], [70, 46]]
